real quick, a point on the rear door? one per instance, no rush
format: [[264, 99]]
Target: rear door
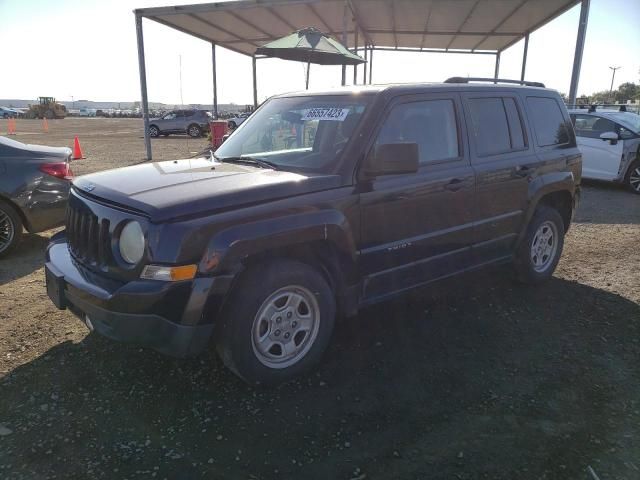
[[417, 227], [504, 161], [600, 159]]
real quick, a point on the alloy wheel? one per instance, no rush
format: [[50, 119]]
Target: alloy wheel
[[285, 327], [544, 246], [7, 231], [634, 179]]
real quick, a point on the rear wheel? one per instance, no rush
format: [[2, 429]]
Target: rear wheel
[[232, 125], [632, 179], [194, 131], [540, 250], [10, 228], [277, 323]]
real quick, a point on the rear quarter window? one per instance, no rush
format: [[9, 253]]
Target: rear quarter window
[[548, 122]]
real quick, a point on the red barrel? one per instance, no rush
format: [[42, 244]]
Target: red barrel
[[218, 131]]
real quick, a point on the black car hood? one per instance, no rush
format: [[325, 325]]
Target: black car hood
[[182, 188]]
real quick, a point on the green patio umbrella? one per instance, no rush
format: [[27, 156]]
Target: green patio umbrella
[[312, 46]]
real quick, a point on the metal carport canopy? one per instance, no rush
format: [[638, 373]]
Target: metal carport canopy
[[447, 26], [470, 25]]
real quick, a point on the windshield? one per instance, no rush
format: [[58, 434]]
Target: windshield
[[299, 133], [628, 120]]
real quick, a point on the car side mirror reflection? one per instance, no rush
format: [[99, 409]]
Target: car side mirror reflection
[[611, 136], [392, 159]]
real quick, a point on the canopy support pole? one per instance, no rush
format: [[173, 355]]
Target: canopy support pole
[[496, 70], [524, 56], [355, 51], [255, 82], [215, 81], [366, 60], [577, 58], [371, 66], [344, 42], [143, 86]]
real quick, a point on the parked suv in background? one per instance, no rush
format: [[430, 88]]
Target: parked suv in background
[[610, 144], [320, 204], [192, 122]]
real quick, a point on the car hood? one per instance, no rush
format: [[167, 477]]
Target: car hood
[[184, 188]]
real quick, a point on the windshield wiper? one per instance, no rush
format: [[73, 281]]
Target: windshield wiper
[[252, 160]]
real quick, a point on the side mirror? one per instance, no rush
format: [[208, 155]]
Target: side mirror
[[611, 136], [392, 159]]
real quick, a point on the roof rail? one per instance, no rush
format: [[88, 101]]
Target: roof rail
[[493, 80]]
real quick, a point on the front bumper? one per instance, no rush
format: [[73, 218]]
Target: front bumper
[[174, 318]]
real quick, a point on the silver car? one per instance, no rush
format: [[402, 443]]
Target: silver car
[[192, 122]]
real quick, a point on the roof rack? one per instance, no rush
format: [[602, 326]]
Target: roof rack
[[622, 107], [493, 80]]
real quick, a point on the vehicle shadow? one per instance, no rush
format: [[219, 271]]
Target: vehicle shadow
[[27, 257], [490, 380], [607, 203]]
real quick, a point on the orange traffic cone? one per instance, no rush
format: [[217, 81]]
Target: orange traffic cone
[[77, 151], [45, 125], [11, 126]]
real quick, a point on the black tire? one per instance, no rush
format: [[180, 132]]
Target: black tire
[[194, 131], [154, 131], [526, 269], [10, 228], [632, 178], [257, 286], [232, 125], [49, 114]]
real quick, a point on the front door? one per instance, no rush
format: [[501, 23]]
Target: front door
[[600, 159], [417, 227]]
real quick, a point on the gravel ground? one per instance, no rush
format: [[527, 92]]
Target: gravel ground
[[474, 378]]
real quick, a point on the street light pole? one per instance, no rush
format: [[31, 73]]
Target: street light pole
[[613, 75]]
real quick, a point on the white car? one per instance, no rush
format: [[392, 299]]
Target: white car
[[610, 145], [234, 122]]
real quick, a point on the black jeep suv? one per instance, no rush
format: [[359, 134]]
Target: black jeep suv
[[318, 204]]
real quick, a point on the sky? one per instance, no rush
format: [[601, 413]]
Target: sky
[[86, 49]]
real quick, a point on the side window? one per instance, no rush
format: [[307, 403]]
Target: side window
[[591, 126], [490, 126], [431, 124], [548, 121], [169, 116]]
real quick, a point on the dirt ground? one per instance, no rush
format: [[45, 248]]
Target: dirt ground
[[476, 378]]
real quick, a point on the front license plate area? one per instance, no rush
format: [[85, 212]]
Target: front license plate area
[[55, 288]]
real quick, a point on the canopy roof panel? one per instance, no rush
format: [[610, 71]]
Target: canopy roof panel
[[468, 25]]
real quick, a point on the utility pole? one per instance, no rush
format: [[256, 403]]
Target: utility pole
[[613, 75], [181, 100]]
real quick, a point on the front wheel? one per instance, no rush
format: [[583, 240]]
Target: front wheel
[[277, 323], [632, 179], [540, 250], [154, 131]]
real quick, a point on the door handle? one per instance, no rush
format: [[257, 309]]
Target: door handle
[[522, 171], [455, 184]]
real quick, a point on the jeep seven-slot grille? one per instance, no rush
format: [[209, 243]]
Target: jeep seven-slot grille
[[88, 237]]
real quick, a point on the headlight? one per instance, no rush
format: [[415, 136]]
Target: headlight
[[132, 242]]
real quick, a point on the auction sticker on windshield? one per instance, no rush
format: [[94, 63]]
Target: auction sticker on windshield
[[335, 114]]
